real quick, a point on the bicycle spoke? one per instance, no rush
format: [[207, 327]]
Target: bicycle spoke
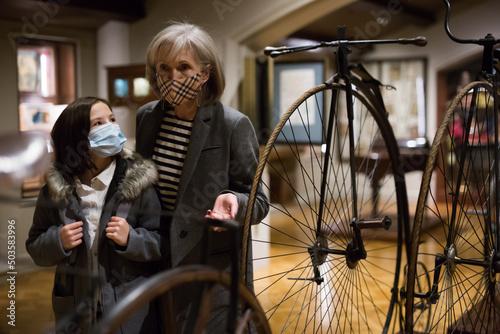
[[328, 286]]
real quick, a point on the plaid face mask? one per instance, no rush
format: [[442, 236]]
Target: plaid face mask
[[178, 92]]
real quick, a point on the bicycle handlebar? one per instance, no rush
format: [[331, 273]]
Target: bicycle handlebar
[[280, 50], [488, 40]]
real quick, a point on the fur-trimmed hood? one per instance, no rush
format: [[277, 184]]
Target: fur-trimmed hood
[[139, 175]]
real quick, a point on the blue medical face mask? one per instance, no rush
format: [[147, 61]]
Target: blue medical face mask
[[106, 140]]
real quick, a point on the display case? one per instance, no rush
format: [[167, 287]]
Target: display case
[[128, 86]]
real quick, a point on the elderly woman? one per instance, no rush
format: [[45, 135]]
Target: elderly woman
[[206, 152]]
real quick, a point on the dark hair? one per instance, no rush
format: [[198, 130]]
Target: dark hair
[[70, 137]]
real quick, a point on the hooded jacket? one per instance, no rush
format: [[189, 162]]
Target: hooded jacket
[[130, 195]]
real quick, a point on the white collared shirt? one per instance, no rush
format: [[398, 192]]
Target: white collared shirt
[[93, 198]]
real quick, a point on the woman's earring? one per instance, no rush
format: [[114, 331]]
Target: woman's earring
[[199, 96]]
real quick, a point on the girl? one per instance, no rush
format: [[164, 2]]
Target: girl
[[96, 218]]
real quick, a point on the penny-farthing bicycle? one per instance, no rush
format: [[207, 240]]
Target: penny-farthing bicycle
[[460, 189], [337, 247]]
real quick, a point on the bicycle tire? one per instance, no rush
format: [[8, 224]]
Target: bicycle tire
[[346, 302], [423, 312], [164, 282], [457, 250]]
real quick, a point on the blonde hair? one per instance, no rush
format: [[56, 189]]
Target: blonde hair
[[187, 36]]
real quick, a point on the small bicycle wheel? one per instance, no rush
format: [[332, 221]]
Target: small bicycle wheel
[[163, 283], [458, 195], [322, 262]]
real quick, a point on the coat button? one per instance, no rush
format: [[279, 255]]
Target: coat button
[[183, 234]]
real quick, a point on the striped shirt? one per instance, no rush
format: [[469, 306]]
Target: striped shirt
[[169, 155]]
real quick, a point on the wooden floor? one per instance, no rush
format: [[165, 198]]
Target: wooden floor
[[32, 300], [33, 303]]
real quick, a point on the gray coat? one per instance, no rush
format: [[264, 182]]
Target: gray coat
[[130, 194], [222, 157]]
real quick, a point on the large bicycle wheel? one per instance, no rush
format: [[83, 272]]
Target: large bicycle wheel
[[322, 261], [458, 191]]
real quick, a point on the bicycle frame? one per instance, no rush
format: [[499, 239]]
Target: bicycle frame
[[487, 73], [345, 74]]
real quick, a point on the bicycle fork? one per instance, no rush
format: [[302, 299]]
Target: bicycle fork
[[354, 251]]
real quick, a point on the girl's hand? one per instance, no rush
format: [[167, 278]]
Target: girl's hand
[[118, 230], [71, 235]]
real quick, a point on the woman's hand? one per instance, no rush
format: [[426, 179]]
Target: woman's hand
[[118, 230], [227, 205], [225, 208], [71, 235]]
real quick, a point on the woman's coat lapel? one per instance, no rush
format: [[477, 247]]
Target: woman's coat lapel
[[199, 134]]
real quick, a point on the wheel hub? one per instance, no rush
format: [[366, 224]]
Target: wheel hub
[[353, 254], [451, 255], [493, 272], [318, 250], [350, 259]]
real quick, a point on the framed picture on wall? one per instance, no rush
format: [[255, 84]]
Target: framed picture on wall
[[28, 64], [291, 80], [46, 84], [404, 95]]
